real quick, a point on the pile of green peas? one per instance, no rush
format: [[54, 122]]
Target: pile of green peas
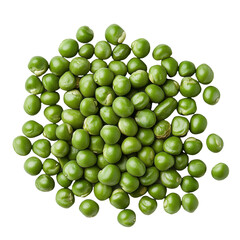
[[112, 137]]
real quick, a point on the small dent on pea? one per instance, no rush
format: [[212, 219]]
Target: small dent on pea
[[122, 37]]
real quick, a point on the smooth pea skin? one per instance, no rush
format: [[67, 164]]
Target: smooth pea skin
[[38, 65], [170, 88], [204, 74], [115, 34], [86, 158], [109, 175], [51, 167], [64, 132], [32, 129], [186, 69], [165, 108], [63, 181], [50, 131], [157, 191], [135, 167], [197, 168], [181, 161], [42, 148], [123, 107], [161, 51], [130, 145], [214, 143], [172, 203], [140, 47], [157, 74], [187, 106], [79, 66], [86, 51], [108, 115], [189, 202], [105, 95], [68, 48], [97, 64], [155, 93], [180, 126], [189, 184], [59, 65], [32, 105], [102, 192], [118, 68], [67, 81], [145, 118], [73, 99], [170, 178], [50, 82], [173, 145], [146, 155], [96, 144], [73, 117], [103, 50], [110, 134], [140, 191], [53, 113], [211, 95], [88, 106], [171, 66], [140, 100], [33, 166], [112, 153], [34, 85], [81, 188], [121, 85], [60, 149], [91, 174], [220, 171], [87, 86], [128, 182], [147, 205], [89, 208], [135, 64], [192, 146], [119, 199], [84, 34], [103, 76], [93, 124], [72, 170], [44, 183], [198, 124], [145, 136], [127, 218], [121, 52], [65, 198], [50, 98], [139, 79], [189, 87], [150, 177], [128, 126], [163, 161], [157, 145]]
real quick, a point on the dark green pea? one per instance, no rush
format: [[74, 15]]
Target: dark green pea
[[150, 177], [88, 106], [139, 79], [65, 198], [161, 51], [108, 116], [102, 192], [128, 182], [127, 218], [145, 118], [32, 105], [51, 167], [81, 188], [157, 191], [171, 66], [155, 93], [50, 131], [87, 86], [84, 34], [50, 98], [50, 82], [110, 134], [91, 174], [135, 64], [32, 129], [220, 171], [170, 178], [189, 202], [53, 113], [186, 69], [140, 47], [119, 199], [162, 129], [86, 51], [44, 183], [165, 108], [42, 148], [97, 64], [128, 126], [121, 85], [72, 153], [112, 153], [33, 85], [146, 155], [163, 161], [130, 145], [189, 87], [135, 167], [103, 50], [59, 65], [158, 145], [189, 184], [115, 34], [123, 107], [109, 175], [38, 65], [63, 181], [73, 117], [68, 48], [180, 126], [96, 144], [157, 74], [147, 205], [140, 100], [187, 106], [60, 149], [197, 168], [214, 143], [141, 190], [145, 136], [103, 77], [73, 99], [79, 66], [181, 161], [170, 88], [118, 68], [64, 132], [204, 74], [172, 203], [198, 124], [192, 146], [121, 52], [122, 163], [33, 166], [105, 95], [211, 95], [86, 158], [72, 170], [89, 208], [93, 124], [173, 145]]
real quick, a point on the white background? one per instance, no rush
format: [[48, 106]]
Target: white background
[[200, 31]]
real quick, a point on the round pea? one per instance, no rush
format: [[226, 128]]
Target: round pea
[[140, 191], [101, 161], [60, 149], [140, 100], [50, 131], [64, 132], [170, 178], [180, 126], [186, 69], [110, 134], [162, 51], [123, 107], [197, 168], [38, 65], [33, 85], [155, 93], [127, 217], [181, 161], [145, 118], [96, 144], [105, 95], [68, 48], [103, 77], [86, 51], [102, 192], [42, 148], [103, 50], [145, 136], [86, 158], [108, 116], [73, 117], [198, 124], [63, 181], [187, 106], [173, 145], [147, 205], [79, 66], [59, 65], [121, 85], [135, 167], [158, 145], [130, 145], [157, 74], [204, 74], [32, 129], [150, 177], [67, 81], [128, 182], [172, 203], [32, 105], [97, 64], [211, 95], [72, 170], [220, 171], [189, 87], [121, 52], [87, 86], [44, 183], [140, 47], [163, 161], [146, 155], [73, 99], [118, 68], [171, 66], [81, 188], [84, 34], [135, 64], [192, 146], [162, 129], [112, 153], [89, 208], [50, 98], [33, 166], [53, 113], [88, 106], [50, 82], [93, 124], [119, 199], [109, 175], [189, 202], [115, 34], [51, 167], [65, 198], [170, 88], [91, 174], [189, 184], [157, 191]]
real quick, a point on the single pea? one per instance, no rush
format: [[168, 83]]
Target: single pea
[[53, 113], [38, 65], [68, 48], [87, 86], [157, 191], [81, 188], [163, 161], [145, 118], [86, 158], [204, 74], [44, 183], [96, 144], [121, 52], [140, 191], [180, 126], [162, 51], [140, 100], [128, 182], [118, 68], [64, 132], [157, 74], [135, 167], [170, 178], [121, 85], [127, 217], [189, 202], [158, 145], [84, 34], [170, 88], [181, 161], [108, 116], [103, 50], [172, 203], [145, 136], [155, 93], [32, 105], [115, 34], [187, 106], [105, 95], [67, 81], [112, 153], [119, 199], [198, 124], [73, 99], [60, 149], [189, 87], [220, 171], [110, 134], [93, 124], [135, 64], [91, 174], [51, 167], [109, 175], [63, 181], [140, 47], [122, 163], [211, 95], [34, 85], [50, 98], [50, 82], [147, 205], [146, 155], [32, 129], [79, 66], [128, 126], [123, 107], [173, 145], [197, 168], [97, 64], [162, 129], [50, 131], [33, 166], [171, 66], [186, 69], [89, 208], [189, 184], [103, 77], [102, 192], [59, 65], [86, 51], [214, 143], [72, 154], [192, 146], [139, 78], [72, 170], [88, 106], [73, 117], [101, 161], [150, 177], [65, 198], [42, 148]]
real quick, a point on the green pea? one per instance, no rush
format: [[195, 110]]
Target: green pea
[[79, 66], [53, 113], [65, 198], [220, 171], [157, 191], [91, 174], [38, 65], [32, 105], [109, 175], [128, 126], [86, 51], [110, 134], [84, 34], [103, 50], [96, 144], [145, 118], [161, 52], [81, 188], [50, 98], [108, 116], [115, 34], [197, 168], [73, 99], [172, 203], [103, 76], [155, 93], [64, 132], [44, 183], [140, 100], [119, 199], [101, 161], [150, 177], [68, 48], [146, 155], [118, 68], [140, 191], [51, 167], [214, 143], [189, 184], [102, 192], [72, 170], [173, 145], [50, 131], [135, 64], [189, 202], [50, 82], [186, 69], [86, 158], [158, 145], [42, 148], [97, 64], [181, 161], [171, 66], [122, 163], [139, 78], [145, 136], [63, 181], [127, 218], [87, 86], [180, 126], [186, 106], [204, 74], [135, 167], [67, 81], [121, 85], [121, 52], [89, 208], [163, 161], [73, 117], [63, 161], [170, 88], [33, 166], [162, 129], [88, 106], [198, 124], [72, 153], [112, 153], [128, 182], [60, 149], [189, 87], [140, 47], [93, 124], [59, 65], [157, 74], [33, 85], [211, 95], [170, 178], [192, 146], [147, 205], [32, 129], [105, 95], [123, 107]]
